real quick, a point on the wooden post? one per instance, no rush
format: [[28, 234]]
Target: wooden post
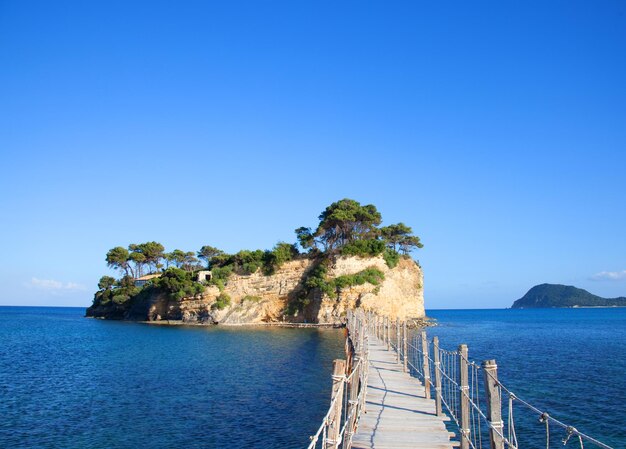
[[463, 399], [334, 420], [388, 334], [398, 340], [494, 404], [426, 365], [377, 327], [437, 376], [353, 395], [404, 350]]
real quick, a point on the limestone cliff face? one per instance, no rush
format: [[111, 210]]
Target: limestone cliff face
[[257, 298], [400, 295]]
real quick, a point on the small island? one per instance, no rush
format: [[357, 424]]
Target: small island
[[349, 260], [557, 295]]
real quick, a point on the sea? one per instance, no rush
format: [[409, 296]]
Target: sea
[[71, 382]]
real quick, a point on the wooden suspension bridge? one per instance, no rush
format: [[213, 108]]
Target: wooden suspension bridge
[[396, 389]]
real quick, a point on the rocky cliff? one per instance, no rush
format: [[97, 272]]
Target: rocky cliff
[[258, 298]]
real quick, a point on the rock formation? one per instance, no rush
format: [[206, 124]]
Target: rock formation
[[257, 298]]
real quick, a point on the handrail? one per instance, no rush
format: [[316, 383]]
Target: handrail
[[452, 393], [349, 389], [458, 387]]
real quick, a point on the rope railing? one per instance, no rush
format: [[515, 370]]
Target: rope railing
[[459, 385], [468, 392], [349, 388]]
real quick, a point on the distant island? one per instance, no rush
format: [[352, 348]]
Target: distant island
[[349, 260], [557, 295]]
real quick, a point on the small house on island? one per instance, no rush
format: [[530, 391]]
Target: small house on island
[[203, 275], [143, 280]]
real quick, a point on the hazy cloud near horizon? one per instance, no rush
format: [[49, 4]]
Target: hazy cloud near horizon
[[609, 276], [54, 285]]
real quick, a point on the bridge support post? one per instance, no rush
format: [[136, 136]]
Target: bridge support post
[[437, 376], [388, 333], [426, 365], [398, 340], [463, 397], [404, 348], [353, 401], [334, 420], [494, 404]]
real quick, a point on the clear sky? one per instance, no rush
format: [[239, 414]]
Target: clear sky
[[497, 130]]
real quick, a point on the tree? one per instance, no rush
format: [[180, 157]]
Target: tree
[[139, 260], [409, 243], [399, 237], [177, 257], [345, 221], [305, 238], [209, 252], [394, 234], [117, 258], [190, 262], [106, 283], [152, 253]]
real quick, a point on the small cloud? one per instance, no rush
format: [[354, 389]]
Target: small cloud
[[609, 276], [52, 285]]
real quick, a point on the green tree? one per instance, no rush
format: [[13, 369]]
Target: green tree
[[152, 253], [394, 234], [106, 283], [190, 262], [177, 257], [305, 238], [345, 221], [399, 237], [209, 252], [409, 243], [117, 258], [139, 260]]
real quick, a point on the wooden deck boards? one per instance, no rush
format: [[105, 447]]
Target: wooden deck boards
[[397, 415]]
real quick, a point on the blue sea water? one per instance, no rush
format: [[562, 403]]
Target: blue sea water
[[568, 362], [71, 382]]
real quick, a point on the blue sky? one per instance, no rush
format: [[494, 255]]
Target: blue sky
[[497, 130]]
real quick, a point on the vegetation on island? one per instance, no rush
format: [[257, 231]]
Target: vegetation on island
[[557, 295], [345, 228]]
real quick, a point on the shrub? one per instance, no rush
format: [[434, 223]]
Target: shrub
[[177, 284], [391, 257], [222, 301], [363, 248]]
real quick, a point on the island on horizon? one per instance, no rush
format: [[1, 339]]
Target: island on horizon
[[564, 296], [347, 261]]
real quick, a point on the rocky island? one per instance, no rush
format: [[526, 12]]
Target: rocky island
[[556, 295], [348, 261]]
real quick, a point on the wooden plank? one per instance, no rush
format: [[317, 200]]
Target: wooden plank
[[397, 413]]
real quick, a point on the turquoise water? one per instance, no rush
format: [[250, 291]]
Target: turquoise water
[[71, 382], [568, 362]]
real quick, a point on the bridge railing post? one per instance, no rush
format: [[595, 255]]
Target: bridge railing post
[[463, 396], [398, 347], [388, 333], [353, 401], [437, 376], [334, 420], [425, 365], [494, 404], [404, 348]]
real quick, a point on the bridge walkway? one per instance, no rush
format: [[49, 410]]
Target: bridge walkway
[[397, 415]]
